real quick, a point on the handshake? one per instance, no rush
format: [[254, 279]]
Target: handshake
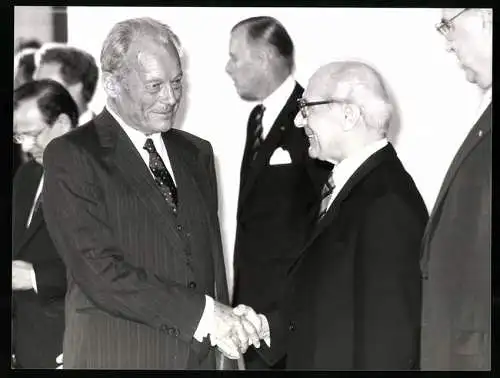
[[234, 330]]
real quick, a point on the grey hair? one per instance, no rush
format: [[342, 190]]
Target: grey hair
[[361, 84], [124, 33]]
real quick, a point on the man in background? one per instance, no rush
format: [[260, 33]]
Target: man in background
[[353, 294], [75, 69], [43, 110], [131, 204], [279, 183], [456, 249]]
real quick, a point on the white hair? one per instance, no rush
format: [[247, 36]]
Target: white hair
[[121, 36], [361, 84]]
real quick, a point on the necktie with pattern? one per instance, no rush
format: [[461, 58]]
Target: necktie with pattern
[[161, 174], [326, 195], [256, 120]]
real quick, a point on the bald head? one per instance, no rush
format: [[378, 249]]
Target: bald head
[[357, 83]]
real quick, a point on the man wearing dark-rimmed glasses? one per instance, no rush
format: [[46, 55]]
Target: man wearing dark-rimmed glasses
[[353, 295], [43, 110], [456, 248]]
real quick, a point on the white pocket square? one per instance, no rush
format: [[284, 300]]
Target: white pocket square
[[280, 156]]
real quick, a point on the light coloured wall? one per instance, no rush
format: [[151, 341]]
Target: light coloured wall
[[436, 103], [33, 22]]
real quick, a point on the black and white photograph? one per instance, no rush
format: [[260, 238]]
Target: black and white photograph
[[252, 188]]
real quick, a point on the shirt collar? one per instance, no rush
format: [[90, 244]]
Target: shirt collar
[[346, 168], [85, 117], [277, 100], [138, 138]]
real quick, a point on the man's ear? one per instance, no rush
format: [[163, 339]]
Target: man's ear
[[62, 124], [352, 113], [110, 84]]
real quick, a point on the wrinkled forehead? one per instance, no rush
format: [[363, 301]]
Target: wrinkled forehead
[[320, 86], [151, 55]]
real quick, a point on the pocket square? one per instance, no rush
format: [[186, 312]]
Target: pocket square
[[280, 156]]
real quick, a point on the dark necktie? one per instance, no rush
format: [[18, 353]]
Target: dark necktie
[[255, 122], [161, 174], [326, 195]]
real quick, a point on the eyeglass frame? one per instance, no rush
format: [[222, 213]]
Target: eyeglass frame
[[19, 138], [448, 23], [304, 104]]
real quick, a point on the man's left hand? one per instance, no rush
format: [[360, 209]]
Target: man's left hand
[[21, 275]]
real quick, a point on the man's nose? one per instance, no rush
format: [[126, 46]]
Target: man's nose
[[168, 95]]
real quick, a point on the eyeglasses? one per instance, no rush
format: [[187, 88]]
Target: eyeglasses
[[445, 26], [304, 104], [21, 138]]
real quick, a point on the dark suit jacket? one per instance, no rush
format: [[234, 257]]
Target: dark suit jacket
[[38, 318], [276, 206], [354, 293], [138, 272], [456, 261]]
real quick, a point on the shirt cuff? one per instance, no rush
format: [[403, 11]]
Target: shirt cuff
[[207, 320], [33, 280], [265, 333]]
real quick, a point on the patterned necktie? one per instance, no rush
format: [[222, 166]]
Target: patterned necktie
[[256, 122], [161, 174], [326, 195]]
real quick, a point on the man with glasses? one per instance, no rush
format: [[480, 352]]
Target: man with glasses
[[456, 249], [279, 184], [43, 110], [353, 298]]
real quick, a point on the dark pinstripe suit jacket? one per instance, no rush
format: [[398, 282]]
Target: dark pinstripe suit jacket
[[137, 273]]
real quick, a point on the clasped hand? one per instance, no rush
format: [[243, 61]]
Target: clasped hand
[[236, 329]]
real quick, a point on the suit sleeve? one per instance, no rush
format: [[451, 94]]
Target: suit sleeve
[[387, 287], [50, 278], [75, 213]]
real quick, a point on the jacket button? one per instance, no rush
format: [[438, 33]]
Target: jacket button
[[192, 285], [179, 227], [171, 331], [291, 326], [164, 328]]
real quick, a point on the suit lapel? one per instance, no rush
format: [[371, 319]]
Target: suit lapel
[[384, 154], [23, 234], [477, 133], [272, 141], [120, 152]]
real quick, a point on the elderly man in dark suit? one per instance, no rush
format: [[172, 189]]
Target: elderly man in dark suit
[[353, 298], [131, 205], [456, 259], [279, 183], [43, 110]]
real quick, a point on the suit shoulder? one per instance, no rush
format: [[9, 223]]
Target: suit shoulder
[[27, 169], [195, 141], [82, 137]]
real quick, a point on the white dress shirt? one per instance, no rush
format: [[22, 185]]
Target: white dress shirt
[[85, 117], [275, 102], [138, 139], [343, 171]]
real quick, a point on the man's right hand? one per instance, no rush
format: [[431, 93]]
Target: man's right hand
[[232, 333]]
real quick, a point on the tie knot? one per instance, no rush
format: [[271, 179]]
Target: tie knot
[[149, 145], [258, 111]]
